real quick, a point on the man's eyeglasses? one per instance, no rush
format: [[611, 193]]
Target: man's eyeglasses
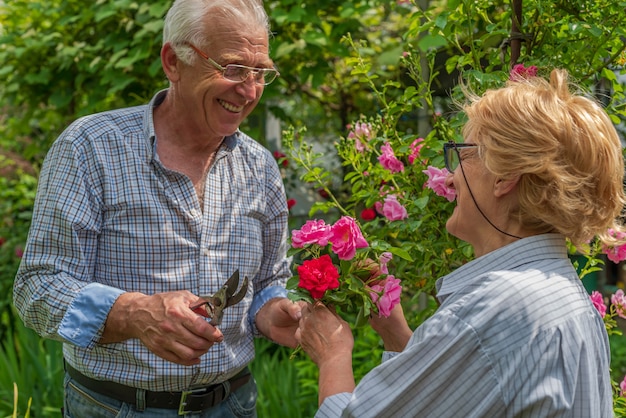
[[240, 73], [452, 155]]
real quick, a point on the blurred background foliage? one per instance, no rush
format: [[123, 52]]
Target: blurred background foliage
[[62, 59]]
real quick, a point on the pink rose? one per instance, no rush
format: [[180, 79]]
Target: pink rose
[[361, 134], [388, 159], [346, 237], [312, 232], [437, 182], [383, 260], [598, 302], [618, 300], [386, 295], [379, 207], [622, 386], [519, 72], [393, 210], [415, 148], [361, 130], [384, 191], [615, 254]]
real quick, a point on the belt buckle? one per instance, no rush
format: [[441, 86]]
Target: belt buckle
[[183, 401], [225, 392]]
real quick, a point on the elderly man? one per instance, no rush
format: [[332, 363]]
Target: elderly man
[[140, 211]]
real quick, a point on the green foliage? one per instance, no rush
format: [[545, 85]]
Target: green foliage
[[618, 354], [62, 60], [312, 60], [17, 195], [618, 368], [35, 366], [588, 39], [277, 378]]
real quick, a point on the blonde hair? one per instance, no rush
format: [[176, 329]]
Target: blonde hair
[[563, 147]]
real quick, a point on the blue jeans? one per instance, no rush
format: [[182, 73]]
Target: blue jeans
[[81, 402]]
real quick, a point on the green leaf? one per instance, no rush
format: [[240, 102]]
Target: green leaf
[[400, 253], [361, 318], [431, 41], [441, 20]]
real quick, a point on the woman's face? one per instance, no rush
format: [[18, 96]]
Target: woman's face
[[474, 188]]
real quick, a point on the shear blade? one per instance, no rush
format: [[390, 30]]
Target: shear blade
[[235, 298], [232, 284]]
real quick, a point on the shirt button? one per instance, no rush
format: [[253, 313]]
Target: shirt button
[[205, 252]]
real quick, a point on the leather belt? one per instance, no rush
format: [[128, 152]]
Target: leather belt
[[193, 400]]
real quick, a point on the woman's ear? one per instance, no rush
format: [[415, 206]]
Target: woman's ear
[[503, 187], [170, 62]]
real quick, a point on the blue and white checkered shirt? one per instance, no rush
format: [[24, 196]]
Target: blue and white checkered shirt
[[516, 335], [110, 218]]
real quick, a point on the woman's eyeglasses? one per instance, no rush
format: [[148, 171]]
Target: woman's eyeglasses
[[240, 73], [452, 155]]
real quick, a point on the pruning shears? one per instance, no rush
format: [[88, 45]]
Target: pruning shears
[[213, 306]]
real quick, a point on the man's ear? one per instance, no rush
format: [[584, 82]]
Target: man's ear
[[170, 62], [503, 187]]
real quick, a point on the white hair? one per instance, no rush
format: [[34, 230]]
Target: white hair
[[185, 22]]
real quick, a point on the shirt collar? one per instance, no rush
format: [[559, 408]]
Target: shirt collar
[[148, 120], [509, 257]]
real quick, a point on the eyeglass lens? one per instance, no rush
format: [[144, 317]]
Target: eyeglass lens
[[238, 73], [451, 157], [452, 154]]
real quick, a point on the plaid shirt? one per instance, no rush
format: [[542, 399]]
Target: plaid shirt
[[110, 218]]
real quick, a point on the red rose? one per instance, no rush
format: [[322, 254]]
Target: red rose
[[318, 275], [291, 203], [281, 158], [368, 214], [323, 193]]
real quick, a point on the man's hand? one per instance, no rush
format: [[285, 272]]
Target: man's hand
[[164, 323], [278, 320]]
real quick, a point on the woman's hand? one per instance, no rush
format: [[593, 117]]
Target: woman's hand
[[394, 330], [328, 341]]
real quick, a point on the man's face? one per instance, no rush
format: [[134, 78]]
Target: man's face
[[216, 104]]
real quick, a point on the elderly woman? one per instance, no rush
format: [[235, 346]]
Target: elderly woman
[[516, 333]]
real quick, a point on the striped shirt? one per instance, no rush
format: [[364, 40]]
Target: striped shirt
[[109, 217], [515, 336]]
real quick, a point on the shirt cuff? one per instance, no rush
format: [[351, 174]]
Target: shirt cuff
[[388, 355], [87, 313], [261, 299], [334, 405]]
